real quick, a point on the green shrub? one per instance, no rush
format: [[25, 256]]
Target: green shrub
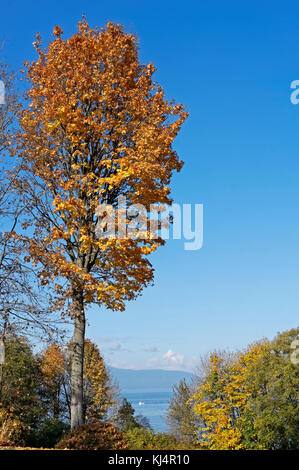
[[97, 435], [49, 433], [145, 439]]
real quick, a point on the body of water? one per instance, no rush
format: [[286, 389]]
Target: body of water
[[153, 404]]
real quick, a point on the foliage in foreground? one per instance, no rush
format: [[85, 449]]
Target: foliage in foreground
[[35, 392], [181, 419], [96, 435], [246, 400], [12, 431], [274, 409], [251, 401], [140, 438], [126, 418], [48, 433], [100, 398], [20, 382]]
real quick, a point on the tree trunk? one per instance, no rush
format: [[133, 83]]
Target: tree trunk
[[77, 412], [2, 356]]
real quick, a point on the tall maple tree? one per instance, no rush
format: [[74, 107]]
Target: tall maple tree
[[96, 127]]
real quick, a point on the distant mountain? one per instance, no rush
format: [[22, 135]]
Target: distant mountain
[[148, 379]]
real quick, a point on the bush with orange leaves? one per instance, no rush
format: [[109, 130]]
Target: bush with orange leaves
[[12, 431], [97, 435]]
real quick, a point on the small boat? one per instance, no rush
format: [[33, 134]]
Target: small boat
[[141, 403]]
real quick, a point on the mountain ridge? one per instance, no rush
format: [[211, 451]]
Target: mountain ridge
[[158, 379]]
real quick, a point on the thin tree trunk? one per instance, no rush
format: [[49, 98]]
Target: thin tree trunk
[[1, 378], [2, 355], [77, 411]]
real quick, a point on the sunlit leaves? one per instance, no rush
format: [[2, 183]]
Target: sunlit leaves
[[96, 126]]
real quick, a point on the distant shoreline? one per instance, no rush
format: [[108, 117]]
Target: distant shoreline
[[148, 379]]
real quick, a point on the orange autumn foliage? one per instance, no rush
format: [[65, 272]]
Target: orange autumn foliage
[[97, 435], [96, 126], [53, 364]]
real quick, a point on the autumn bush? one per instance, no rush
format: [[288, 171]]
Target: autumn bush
[[97, 435], [250, 400], [139, 438], [12, 431]]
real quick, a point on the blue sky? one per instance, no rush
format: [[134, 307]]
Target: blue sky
[[231, 63]]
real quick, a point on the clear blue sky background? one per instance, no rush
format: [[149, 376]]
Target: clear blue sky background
[[231, 63]]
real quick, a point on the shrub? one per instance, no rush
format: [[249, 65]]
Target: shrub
[[49, 433], [12, 431], [145, 439], [97, 435]]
